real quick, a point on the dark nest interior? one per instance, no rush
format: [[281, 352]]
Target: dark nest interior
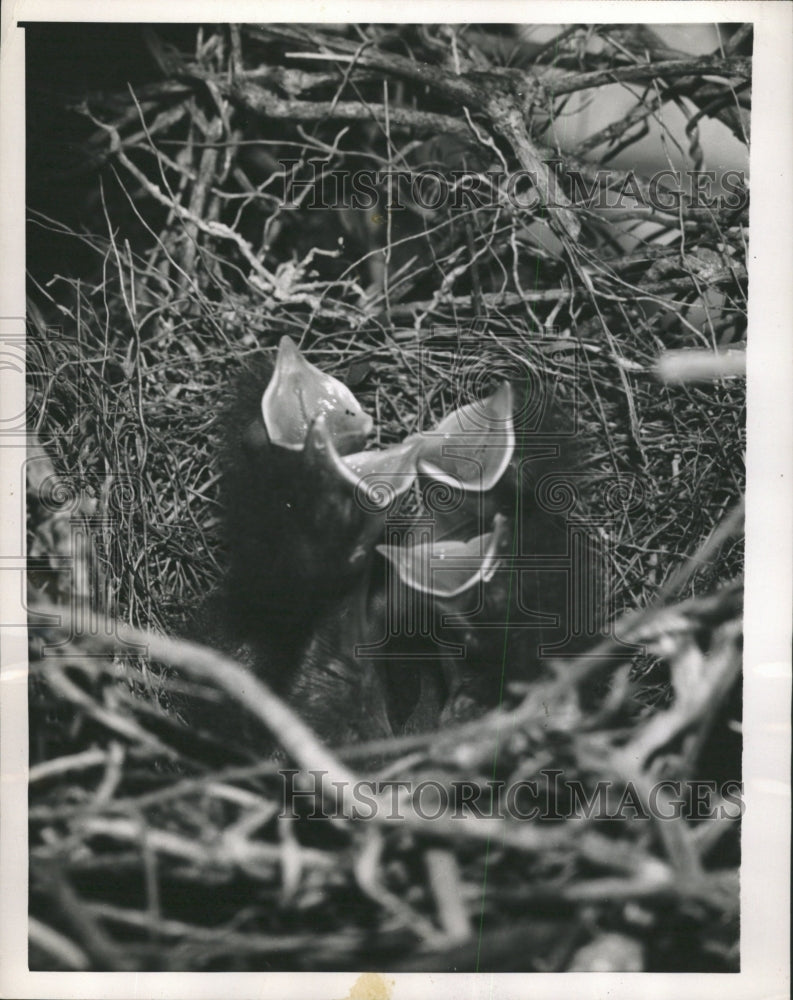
[[186, 210]]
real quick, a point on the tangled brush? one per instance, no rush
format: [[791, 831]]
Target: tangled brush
[[172, 781]]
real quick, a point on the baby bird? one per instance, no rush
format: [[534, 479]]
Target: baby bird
[[289, 538]]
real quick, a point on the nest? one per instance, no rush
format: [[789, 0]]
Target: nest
[[591, 820]]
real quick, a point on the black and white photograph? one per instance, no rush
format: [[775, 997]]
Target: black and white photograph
[[375, 529]]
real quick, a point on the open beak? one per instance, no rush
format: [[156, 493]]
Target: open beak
[[374, 478], [451, 567], [352, 494], [471, 448], [298, 393]]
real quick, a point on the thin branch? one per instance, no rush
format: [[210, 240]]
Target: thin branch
[[265, 102], [703, 66]]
